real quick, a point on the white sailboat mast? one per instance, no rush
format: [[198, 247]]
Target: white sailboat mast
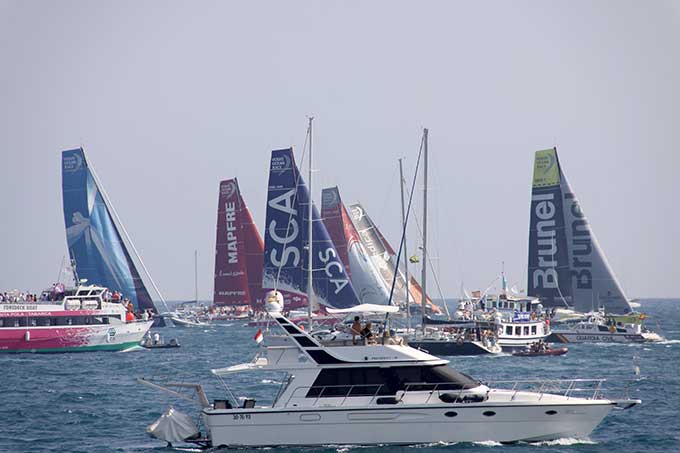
[[403, 226], [310, 287], [423, 298]]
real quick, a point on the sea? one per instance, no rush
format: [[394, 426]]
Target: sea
[[92, 402]]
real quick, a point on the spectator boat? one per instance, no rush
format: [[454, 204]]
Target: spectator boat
[[78, 319]]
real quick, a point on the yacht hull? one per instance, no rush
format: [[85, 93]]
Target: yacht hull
[[73, 338], [570, 336], [403, 425]]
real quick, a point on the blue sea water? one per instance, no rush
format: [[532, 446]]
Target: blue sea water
[[91, 402]]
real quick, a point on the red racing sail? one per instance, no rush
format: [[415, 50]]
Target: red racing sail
[[238, 251]]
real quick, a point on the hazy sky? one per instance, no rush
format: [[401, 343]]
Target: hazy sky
[[168, 98]]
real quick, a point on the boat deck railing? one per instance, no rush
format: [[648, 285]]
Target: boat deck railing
[[591, 389], [425, 393]]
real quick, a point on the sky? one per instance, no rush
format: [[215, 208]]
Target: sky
[[168, 98]]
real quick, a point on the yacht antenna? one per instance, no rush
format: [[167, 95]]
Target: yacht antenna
[[310, 287], [423, 298], [403, 238]]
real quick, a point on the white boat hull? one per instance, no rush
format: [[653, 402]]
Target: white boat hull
[[570, 336], [405, 425]]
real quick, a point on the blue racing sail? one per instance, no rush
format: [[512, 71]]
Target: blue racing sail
[[94, 243], [286, 241], [566, 264]]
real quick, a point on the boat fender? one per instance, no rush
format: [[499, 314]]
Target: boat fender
[[27, 335]]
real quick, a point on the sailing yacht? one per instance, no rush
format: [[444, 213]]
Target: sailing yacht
[[93, 233], [567, 267], [377, 394]]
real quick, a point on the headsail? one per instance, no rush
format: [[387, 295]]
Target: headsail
[[94, 242], [384, 259], [365, 278], [286, 239], [566, 264], [238, 251]]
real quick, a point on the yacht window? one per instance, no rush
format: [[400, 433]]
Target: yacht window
[[526, 330], [603, 328], [533, 330], [518, 330], [369, 381], [508, 330]]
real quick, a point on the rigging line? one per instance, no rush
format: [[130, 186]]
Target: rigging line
[[429, 260], [385, 203], [127, 236], [290, 215], [403, 230]]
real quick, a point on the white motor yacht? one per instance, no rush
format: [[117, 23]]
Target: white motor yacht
[[597, 327], [384, 394]]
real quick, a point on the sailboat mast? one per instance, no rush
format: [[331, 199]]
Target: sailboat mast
[[423, 298], [403, 226], [196, 276], [310, 288]]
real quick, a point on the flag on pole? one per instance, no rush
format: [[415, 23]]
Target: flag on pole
[[258, 336]]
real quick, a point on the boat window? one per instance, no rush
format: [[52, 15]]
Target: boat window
[[603, 328], [526, 330], [518, 330], [508, 330], [533, 330], [369, 381]]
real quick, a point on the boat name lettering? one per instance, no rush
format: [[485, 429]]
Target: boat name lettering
[[232, 246], [339, 279], [582, 246], [545, 275], [19, 307], [284, 203], [242, 417]]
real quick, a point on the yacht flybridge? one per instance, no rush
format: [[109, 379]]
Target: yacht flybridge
[[383, 394]]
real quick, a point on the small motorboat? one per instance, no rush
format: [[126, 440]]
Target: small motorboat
[[156, 342], [538, 352]]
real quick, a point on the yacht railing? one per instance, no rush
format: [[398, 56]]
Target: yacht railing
[[337, 395]]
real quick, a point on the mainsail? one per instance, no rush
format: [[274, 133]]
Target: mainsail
[[238, 251], [368, 284], [566, 264], [286, 242], [94, 242], [384, 259]]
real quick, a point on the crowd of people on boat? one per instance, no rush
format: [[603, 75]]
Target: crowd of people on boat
[[365, 335]]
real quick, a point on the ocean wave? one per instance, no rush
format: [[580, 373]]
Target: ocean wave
[[565, 442], [669, 342], [488, 443]]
